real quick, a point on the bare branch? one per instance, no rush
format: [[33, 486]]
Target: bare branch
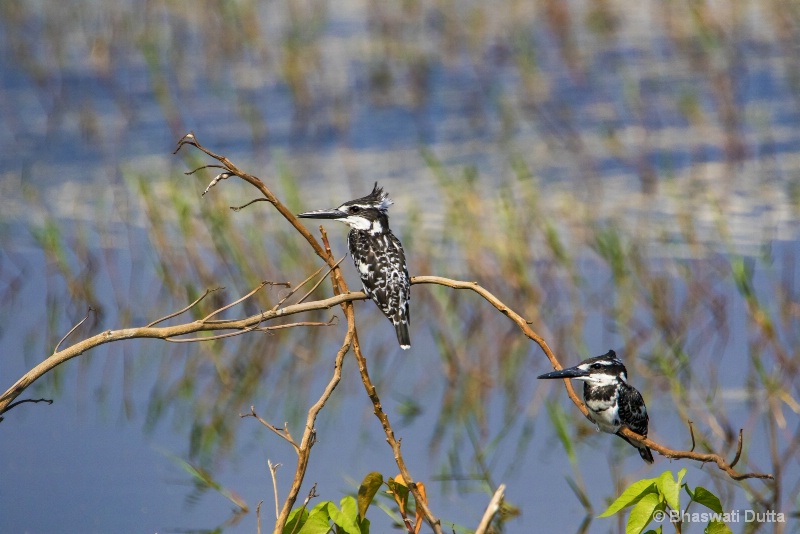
[[90, 310], [738, 450], [334, 320], [171, 315], [235, 302], [218, 178], [282, 433], [321, 280], [243, 206], [491, 509], [272, 469], [211, 166], [297, 287], [211, 338], [15, 404]]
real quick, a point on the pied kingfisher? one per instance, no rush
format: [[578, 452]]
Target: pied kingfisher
[[377, 254], [612, 403]]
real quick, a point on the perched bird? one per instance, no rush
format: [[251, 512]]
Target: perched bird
[[612, 403], [377, 255]]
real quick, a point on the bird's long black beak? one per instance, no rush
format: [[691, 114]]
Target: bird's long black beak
[[570, 372], [323, 214]]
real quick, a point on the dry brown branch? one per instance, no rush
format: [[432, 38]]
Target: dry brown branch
[[272, 469], [393, 442], [339, 285], [284, 433], [151, 332], [189, 307], [309, 433], [235, 302], [491, 509], [191, 140], [90, 310]]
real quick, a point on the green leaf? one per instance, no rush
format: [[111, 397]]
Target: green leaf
[[364, 524], [681, 474], [707, 499], [717, 527], [367, 490], [642, 513], [296, 519], [656, 531], [399, 489], [670, 489], [631, 495], [318, 521], [346, 517]]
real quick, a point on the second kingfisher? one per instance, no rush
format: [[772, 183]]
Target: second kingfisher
[[611, 401], [377, 255]]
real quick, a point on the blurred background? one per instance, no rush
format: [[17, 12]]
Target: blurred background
[[626, 175]]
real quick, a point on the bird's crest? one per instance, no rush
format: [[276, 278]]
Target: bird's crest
[[377, 199]]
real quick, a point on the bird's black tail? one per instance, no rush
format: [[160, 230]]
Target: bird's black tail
[[646, 455], [644, 452], [402, 335]]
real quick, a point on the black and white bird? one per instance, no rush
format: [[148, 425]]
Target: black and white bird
[[377, 255], [611, 401]]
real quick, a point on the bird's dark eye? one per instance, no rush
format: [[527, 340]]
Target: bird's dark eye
[[355, 209], [596, 366]]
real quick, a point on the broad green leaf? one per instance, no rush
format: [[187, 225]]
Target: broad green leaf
[[656, 531], [367, 490], [642, 513], [345, 518], [348, 506], [681, 474], [717, 527], [670, 489], [318, 521], [364, 525], [296, 519], [631, 495], [707, 499]]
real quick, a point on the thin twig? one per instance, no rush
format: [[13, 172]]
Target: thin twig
[[235, 302], [13, 404], [282, 433], [738, 450], [332, 322], [311, 495], [691, 432], [321, 279], [491, 509], [258, 517], [243, 206], [297, 287], [272, 470], [90, 310], [175, 314], [209, 166], [211, 338]]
